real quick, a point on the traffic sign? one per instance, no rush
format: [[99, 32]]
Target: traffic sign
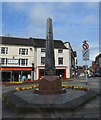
[[85, 46], [85, 54]]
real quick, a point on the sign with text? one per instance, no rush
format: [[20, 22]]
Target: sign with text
[[85, 54], [50, 72], [12, 61]]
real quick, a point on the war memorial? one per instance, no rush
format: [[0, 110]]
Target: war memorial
[[50, 94]]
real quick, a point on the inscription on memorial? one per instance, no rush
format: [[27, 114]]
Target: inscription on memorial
[[50, 72]]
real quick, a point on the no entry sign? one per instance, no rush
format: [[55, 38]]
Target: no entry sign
[[85, 46], [85, 51]]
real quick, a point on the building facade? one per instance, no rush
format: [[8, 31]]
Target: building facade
[[96, 65], [18, 54]]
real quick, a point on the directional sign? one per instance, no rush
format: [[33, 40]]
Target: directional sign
[[85, 54], [85, 46]]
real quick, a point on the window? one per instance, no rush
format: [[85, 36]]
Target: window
[[43, 50], [60, 61], [4, 50], [23, 51], [3, 61], [23, 62], [60, 50], [42, 60]]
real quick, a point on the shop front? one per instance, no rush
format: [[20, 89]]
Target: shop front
[[15, 74]]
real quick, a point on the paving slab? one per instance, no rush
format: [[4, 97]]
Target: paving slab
[[82, 110], [96, 115], [25, 101], [33, 98]]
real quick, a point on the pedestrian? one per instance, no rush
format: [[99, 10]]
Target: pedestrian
[[73, 74], [60, 76], [23, 78]]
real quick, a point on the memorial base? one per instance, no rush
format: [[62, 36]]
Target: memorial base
[[50, 85], [63, 90]]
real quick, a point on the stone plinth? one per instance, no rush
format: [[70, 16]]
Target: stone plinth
[[50, 85], [26, 101]]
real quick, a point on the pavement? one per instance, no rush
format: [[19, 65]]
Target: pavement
[[89, 110]]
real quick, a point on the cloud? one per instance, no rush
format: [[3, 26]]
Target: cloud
[[17, 6], [32, 31], [69, 21], [39, 12], [90, 5], [89, 20]]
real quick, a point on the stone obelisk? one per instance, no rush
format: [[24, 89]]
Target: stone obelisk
[[50, 83], [49, 61]]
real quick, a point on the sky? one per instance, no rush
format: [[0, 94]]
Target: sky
[[73, 22]]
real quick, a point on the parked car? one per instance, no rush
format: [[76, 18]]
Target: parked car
[[97, 74]]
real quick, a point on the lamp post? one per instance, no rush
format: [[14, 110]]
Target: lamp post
[[32, 72], [76, 68]]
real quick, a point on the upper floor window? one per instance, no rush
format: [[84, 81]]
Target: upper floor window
[[42, 60], [23, 62], [3, 61], [4, 50], [43, 50], [60, 50], [60, 61], [23, 51]]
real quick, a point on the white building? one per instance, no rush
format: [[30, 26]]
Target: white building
[[18, 54]]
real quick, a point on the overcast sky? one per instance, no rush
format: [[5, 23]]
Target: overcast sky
[[73, 22]]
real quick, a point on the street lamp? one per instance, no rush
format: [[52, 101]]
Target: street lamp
[[32, 66], [32, 72]]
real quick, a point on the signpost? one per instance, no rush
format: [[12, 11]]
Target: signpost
[[85, 55]]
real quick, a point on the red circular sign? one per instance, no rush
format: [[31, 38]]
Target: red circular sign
[[85, 46]]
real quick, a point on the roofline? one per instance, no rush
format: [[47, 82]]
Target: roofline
[[27, 38], [13, 37], [99, 55], [69, 45]]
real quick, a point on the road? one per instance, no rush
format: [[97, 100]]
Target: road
[[87, 110]]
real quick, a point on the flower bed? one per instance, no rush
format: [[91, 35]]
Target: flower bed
[[12, 83], [15, 82], [20, 83], [26, 88], [64, 86], [75, 87]]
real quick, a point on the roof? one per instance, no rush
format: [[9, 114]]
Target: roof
[[16, 41], [98, 56], [36, 42]]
